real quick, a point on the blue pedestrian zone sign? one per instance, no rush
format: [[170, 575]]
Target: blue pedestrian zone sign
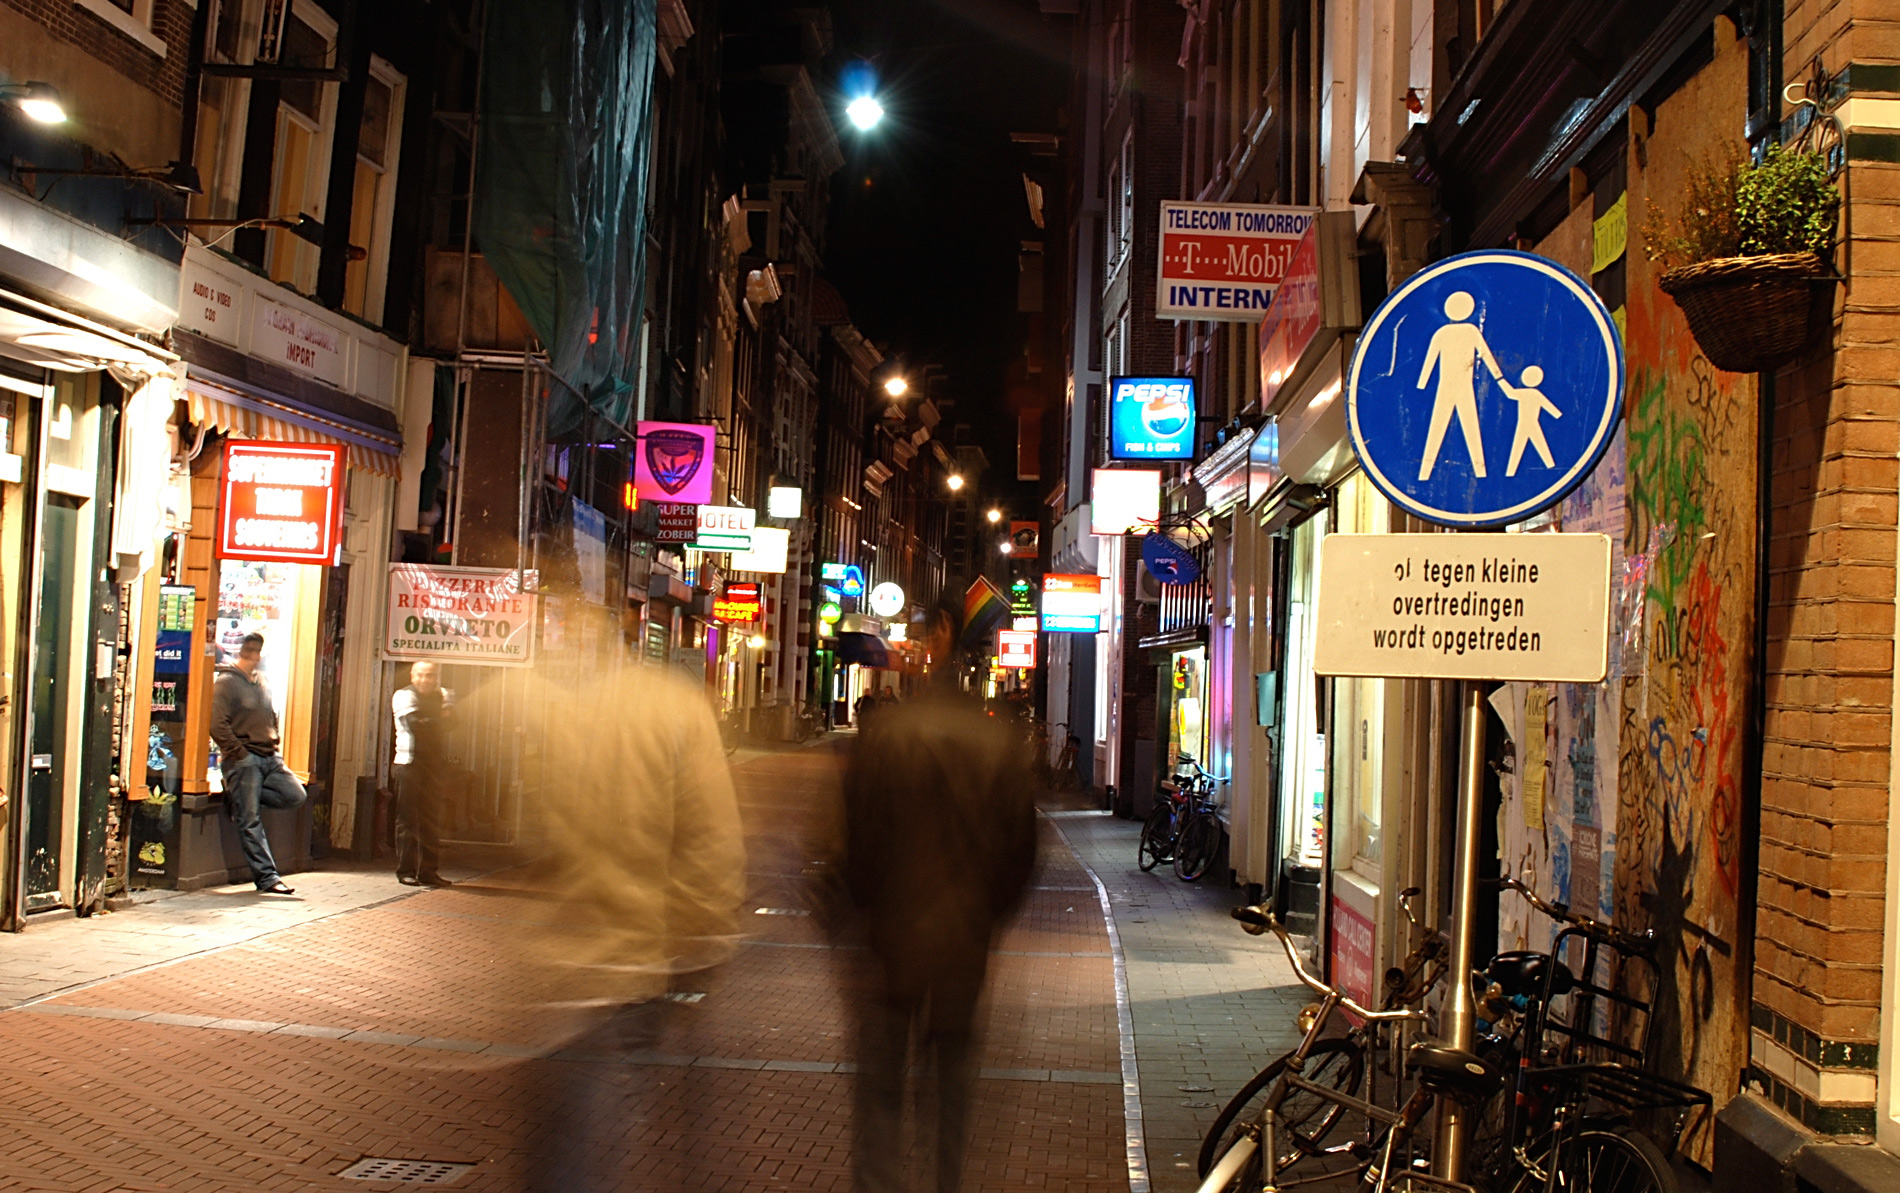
[[1485, 388]]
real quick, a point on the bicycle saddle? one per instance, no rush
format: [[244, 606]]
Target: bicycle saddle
[[1521, 974], [1455, 1073]]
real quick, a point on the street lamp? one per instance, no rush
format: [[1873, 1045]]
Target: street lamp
[[755, 641], [865, 112], [1004, 547], [994, 516], [896, 386], [955, 482]]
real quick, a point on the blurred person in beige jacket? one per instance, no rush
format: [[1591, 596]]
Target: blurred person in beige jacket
[[647, 860]]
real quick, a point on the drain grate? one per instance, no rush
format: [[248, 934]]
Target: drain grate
[[413, 1172]]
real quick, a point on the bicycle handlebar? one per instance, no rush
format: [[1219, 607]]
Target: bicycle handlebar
[[1629, 942], [1260, 918]]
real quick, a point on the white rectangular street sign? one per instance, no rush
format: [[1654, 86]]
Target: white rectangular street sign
[[1464, 606]]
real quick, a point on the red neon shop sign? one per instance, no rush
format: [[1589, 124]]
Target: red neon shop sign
[[282, 502]]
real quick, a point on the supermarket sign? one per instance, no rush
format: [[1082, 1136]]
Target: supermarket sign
[[1223, 261], [282, 502], [483, 617]]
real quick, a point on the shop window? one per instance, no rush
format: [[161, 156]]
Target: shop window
[[373, 207], [1359, 717], [1303, 744], [279, 601], [301, 166]]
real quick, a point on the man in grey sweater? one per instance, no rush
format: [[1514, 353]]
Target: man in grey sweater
[[244, 726]]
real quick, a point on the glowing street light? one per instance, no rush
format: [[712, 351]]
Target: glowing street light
[[1003, 546], [994, 516], [955, 482], [896, 386], [755, 641], [864, 112]]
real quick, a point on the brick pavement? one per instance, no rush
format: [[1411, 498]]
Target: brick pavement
[[1211, 1005], [239, 1052]]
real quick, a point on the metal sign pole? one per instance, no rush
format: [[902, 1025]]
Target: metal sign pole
[[1460, 1016]]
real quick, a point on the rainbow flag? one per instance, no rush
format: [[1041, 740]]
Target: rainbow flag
[[985, 610]]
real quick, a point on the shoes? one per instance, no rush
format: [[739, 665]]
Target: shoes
[[435, 880], [408, 880], [278, 888]]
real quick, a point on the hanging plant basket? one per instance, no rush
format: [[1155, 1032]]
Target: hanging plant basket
[[1749, 314]]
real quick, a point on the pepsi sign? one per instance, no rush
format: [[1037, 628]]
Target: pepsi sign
[[1151, 418]]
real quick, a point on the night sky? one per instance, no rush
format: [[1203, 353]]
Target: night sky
[[928, 211]]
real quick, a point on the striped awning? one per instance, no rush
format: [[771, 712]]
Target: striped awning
[[244, 414]]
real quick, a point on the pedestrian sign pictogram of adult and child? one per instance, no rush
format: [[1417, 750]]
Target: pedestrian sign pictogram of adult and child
[[1507, 346]]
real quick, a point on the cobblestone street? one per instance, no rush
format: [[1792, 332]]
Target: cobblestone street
[[217, 1041]]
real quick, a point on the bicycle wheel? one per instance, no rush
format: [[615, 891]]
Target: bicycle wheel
[[1305, 1118], [1157, 838], [1199, 842], [1598, 1160]]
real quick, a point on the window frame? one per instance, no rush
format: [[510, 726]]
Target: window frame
[[136, 25], [383, 219], [304, 255]]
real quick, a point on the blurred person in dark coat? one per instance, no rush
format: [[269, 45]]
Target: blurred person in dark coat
[[940, 842], [647, 853]]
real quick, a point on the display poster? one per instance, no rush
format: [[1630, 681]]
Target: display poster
[[481, 617], [1353, 953]]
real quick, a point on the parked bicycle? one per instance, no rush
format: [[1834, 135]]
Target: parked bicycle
[[1359, 1058], [1057, 774], [1569, 1029], [1198, 841], [1181, 804]]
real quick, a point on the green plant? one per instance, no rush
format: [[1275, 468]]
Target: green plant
[[1785, 204]]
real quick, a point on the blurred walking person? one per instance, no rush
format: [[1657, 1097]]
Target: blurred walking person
[[244, 728], [422, 711], [940, 842], [643, 832]]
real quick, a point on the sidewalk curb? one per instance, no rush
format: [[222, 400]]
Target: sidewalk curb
[[1138, 1180]]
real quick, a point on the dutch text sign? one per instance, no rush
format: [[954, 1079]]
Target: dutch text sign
[[1224, 261], [483, 617], [282, 502], [1464, 606]]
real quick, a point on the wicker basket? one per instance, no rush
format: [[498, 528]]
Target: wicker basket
[[1748, 314]]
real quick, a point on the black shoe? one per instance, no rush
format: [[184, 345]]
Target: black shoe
[[408, 880], [435, 880], [279, 888]]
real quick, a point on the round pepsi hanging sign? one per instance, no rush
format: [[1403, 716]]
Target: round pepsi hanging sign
[[1168, 561]]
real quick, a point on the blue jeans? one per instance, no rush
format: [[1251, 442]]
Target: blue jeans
[[248, 783]]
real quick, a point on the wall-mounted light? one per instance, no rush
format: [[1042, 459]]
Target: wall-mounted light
[[40, 101], [994, 516], [954, 481], [896, 386]]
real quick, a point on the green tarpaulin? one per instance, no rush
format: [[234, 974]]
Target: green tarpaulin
[[561, 180]]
